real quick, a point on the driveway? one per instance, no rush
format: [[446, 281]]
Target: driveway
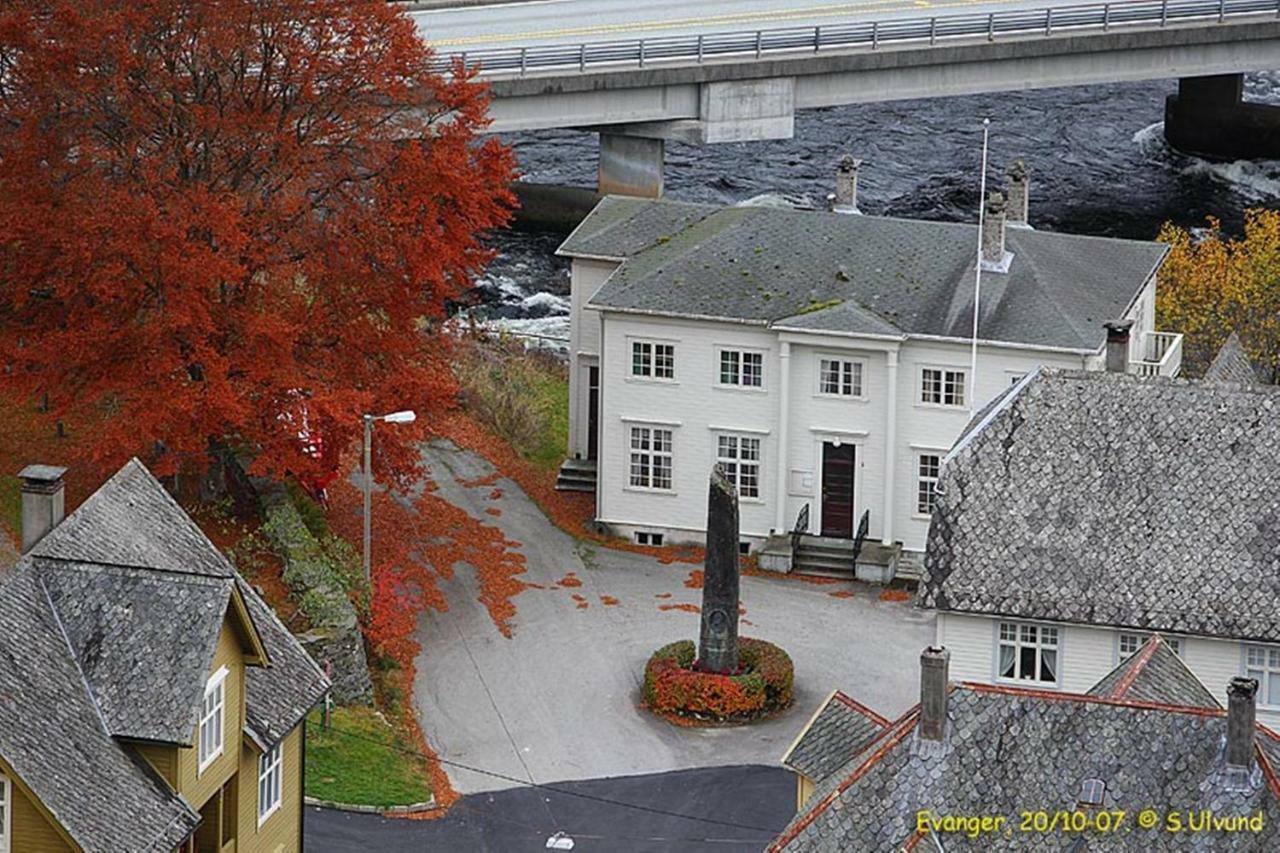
[[728, 809], [559, 699]]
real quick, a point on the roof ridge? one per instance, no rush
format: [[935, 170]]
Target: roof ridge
[[1059, 695], [75, 659], [855, 705], [129, 567], [1143, 657]]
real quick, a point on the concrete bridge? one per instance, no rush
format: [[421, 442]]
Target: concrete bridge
[[647, 71]]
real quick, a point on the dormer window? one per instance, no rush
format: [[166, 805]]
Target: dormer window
[[212, 718]]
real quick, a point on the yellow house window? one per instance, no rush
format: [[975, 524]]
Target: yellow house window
[[212, 714], [270, 770], [5, 811]]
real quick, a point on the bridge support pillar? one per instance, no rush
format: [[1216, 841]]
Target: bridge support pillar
[[1209, 118], [631, 165]]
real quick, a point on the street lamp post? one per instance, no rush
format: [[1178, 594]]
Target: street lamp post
[[405, 417]]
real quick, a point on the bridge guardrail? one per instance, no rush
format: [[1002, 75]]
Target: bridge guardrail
[[870, 34]]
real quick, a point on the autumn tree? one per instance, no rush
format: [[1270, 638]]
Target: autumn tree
[[233, 221], [1213, 284]]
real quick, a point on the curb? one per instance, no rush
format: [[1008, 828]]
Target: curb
[[385, 811]]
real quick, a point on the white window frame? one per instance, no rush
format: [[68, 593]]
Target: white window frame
[[634, 451], [843, 360], [6, 814], [270, 780], [1038, 642], [741, 353], [922, 480], [652, 374], [1266, 671], [733, 462], [216, 685], [946, 374], [1124, 638]]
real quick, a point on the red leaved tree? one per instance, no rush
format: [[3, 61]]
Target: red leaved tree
[[233, 222]]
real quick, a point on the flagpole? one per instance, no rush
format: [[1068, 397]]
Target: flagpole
[[977, 272]]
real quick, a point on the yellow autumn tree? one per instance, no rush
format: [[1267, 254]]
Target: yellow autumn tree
[[1213, 284]]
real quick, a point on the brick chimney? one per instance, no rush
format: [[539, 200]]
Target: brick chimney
[[935, 666], [994, 256], [1242, 696], [1019, 187], [43, 504], [1118, 345], [845, 199]]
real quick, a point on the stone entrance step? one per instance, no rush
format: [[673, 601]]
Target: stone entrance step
[[576, 475]]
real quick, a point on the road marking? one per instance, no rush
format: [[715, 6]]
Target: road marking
[[829, 10]]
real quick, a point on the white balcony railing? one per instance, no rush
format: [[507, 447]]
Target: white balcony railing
[[1161, 355]]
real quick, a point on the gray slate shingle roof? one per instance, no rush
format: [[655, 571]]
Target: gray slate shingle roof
[[1155, 673], [858, 274], [107, 630], [1011, 750], [841, 729], [1112, 499], [1232, 364]]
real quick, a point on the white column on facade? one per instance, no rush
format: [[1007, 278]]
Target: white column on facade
[[602, 449], [890, 443], [784, 404]]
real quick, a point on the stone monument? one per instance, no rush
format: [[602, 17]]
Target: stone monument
[[718, 642]]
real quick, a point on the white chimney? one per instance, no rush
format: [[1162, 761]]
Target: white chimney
[[994, 256], [845, 199], [43, 504]]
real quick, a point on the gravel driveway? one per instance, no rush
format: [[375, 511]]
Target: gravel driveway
[[559, 700]]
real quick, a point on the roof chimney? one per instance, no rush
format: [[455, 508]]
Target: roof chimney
[[1241, 716], [1118, 345], [1019, 200], [43, 505], [994, 256], [845, 199], [935, 664]]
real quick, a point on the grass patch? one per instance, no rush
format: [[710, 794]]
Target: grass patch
[[553, 396], [361, 760]]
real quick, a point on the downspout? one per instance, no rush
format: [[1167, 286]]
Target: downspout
[[601, 451], [890, 444], [302, 790], [784, 395]]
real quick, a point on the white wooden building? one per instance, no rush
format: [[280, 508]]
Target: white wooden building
[[823, 358]]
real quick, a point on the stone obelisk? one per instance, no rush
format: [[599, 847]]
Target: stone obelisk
[[718, 642]]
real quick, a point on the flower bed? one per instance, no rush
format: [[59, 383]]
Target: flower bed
[[674, 689]]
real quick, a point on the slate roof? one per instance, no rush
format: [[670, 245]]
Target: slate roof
[[840, 729], [1155, 673], [107, 631], [1007, 750], [1232, 364], [1113, 499], [820, 271]]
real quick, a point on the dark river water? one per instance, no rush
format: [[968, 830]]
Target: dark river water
[[1098, 158]]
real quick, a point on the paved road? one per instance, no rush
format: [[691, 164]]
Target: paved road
[[522, 819], [574, 21], [559, 699]]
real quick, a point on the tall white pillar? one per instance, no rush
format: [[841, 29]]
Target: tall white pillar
[[890, 443], [784, 405]]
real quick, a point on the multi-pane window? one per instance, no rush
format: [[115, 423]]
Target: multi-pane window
[[1130, 643], [1263, 663], [942, 387], [212, 711], [840, 377], [740, 457], [650, 457], [653, 360], [927, 466], [270, 771], [5, 811], [744, 369], [1028, 652]]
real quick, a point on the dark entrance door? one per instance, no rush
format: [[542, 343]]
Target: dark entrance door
[[837, 490], [593, 412]]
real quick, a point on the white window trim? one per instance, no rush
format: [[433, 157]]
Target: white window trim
[[762, 388], [759, 463], [278, 767], [945, 368], [1143, 636], [918, 452], [1268, 672], [218, 679], [6, 825], [652, 425], [660, 380], [819, 357], [1028, 682]]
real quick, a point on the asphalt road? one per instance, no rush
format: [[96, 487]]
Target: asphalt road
[[525, 24], [741, 809]]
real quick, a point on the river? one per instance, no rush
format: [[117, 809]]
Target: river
[[1098, 158]]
